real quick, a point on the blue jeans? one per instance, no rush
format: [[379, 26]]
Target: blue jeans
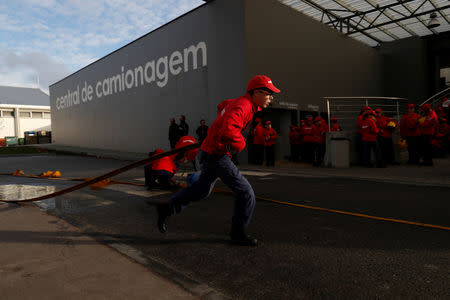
[[213, 167]]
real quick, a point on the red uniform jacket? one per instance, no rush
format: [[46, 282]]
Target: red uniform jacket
[[319, 133], [369, 130], [228, 126], [382, 124], [163, 164], [429, 125], [335, 127], [308, 133], [409, 125], [270, 137], [294, 136], [259, 135], [359, 121], [184, 141]]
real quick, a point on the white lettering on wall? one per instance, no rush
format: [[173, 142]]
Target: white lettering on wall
[[151, 71]]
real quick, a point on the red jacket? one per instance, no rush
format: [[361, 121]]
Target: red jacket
[[294, 136], [319, 132], [409, 125], [163, 164], [228, 126], [184, 141], [359, 121], [259, 135], [335, 127], [270, 137], [428, 126], [369, 130], [382, 124], [308, 133]]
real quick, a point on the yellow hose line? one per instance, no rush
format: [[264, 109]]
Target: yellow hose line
[[342, 212]]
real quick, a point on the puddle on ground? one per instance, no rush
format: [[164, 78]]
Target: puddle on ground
[[24, 191], [70, 203]]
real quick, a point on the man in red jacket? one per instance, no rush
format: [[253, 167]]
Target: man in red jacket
[[409, 130], [225, 138], [427, 126], [269, 144], [161, 169], [294, 141], [386, 126], [259, 137], [320, 129], [369, 133], [307, 140], [189, 155]]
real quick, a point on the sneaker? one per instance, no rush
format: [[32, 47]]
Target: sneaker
[[163, 211], [239, 237]]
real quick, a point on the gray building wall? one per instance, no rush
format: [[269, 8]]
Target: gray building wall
[[406, 71], [137, 119], [307, 59]]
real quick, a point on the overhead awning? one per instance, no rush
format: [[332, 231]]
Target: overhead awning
[[375, 22]]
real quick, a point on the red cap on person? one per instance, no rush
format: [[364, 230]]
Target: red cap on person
[[258, 120], [261, 81], [318, 118], [268, 122], [366, 108], [410, 105], [378, 110], [426, 106]]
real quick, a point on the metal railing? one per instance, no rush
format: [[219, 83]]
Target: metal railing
[[346, 109], [433, 100]]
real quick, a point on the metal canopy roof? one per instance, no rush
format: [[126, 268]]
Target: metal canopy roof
[[374, 22]]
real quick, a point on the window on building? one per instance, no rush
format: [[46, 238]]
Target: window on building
[[47, 115], [7, 113], [36, 114], [25, 114]]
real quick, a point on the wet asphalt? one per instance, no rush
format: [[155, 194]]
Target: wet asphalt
[[303, 253]]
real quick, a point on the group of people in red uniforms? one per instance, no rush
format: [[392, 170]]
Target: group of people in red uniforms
[[308, 139], [263, 139], [426, 134], [422, 132]]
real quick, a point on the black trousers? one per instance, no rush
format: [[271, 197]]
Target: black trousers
[[270, 155], [387, 149], [308, 152], [413, 149], [295, 152], [367, 148], [258, 151], [318, 154], [426, 149]]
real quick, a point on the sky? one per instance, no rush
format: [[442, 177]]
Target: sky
[[50, 39]]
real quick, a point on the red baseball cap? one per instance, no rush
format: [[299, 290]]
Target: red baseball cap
[[426, 106], [318, 118], [378, 110], [258, 120], [366, 108], [268, 122], [261, 81], [410, 105]]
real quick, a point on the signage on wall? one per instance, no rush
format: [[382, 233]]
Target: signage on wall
[[288, 105], [151, 72]]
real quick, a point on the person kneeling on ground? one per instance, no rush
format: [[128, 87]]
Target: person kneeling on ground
[[224, 138], [161, 169]]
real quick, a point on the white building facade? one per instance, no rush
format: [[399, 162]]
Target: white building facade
[[23, 109]]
